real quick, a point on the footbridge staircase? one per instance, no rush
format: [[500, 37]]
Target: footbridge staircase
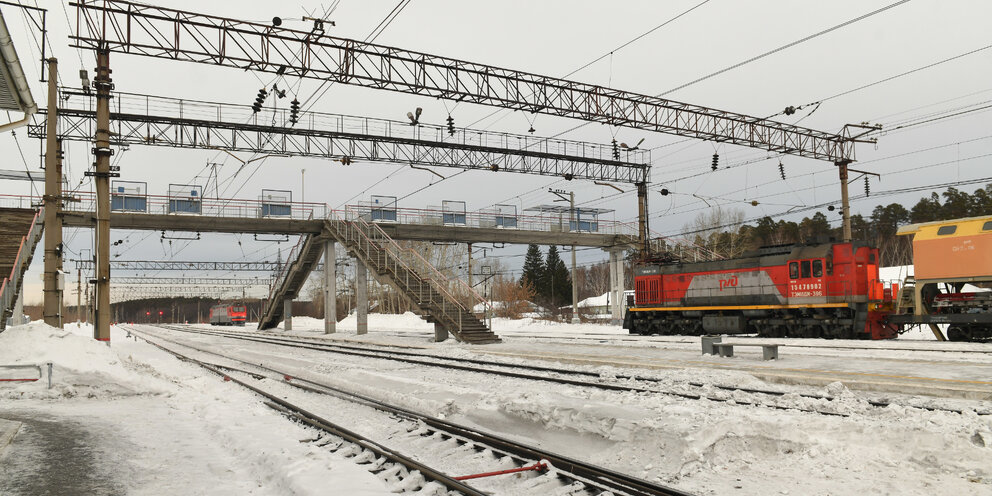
[[300, 262], [447, 302], [20, 233]]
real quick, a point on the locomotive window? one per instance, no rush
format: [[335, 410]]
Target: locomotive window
[[830, 268], [945, 230], [987, 226], [793, 270], [871, 258], [805, 268], [817, 268]]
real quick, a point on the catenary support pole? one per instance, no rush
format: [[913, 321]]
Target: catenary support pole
[[79, 295], [470, 265], [845, 201], [616, 294], [330, 289], [103, 84], [361, 297], [574, 221], [642, 220], [52, 200]]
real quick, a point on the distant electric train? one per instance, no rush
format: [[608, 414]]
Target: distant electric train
[[228, 314]]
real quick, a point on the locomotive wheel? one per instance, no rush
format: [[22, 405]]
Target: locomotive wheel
[[959, 333]]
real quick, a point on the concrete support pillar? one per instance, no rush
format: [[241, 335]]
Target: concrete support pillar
[[616, 288], [18, 317], [361, 297], [287, 312], [52, 307], [101, 180], [330, 289], [440, 333]]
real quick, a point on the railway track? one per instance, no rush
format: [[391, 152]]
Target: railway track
[[604, 337], [574, 476], [692, 390]]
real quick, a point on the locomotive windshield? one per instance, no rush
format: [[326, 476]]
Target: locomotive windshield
[[237, 309]]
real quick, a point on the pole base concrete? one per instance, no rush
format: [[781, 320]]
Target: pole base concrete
[[440, 333]]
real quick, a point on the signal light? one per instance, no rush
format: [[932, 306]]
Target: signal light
[[616, 150], [716, 161], [451, 125], [259, 100], [294, 111]]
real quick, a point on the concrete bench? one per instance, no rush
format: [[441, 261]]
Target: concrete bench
[[769, 351]]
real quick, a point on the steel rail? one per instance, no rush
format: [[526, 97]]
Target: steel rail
[[323, 424], [383, 355], [769, 392], [630, 338], [581, 471]]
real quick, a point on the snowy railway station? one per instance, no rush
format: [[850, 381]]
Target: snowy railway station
[[513, 260]]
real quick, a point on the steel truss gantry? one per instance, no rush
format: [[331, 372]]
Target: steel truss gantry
[[183, 123], [237, 282], [177, 265], [127, 27]]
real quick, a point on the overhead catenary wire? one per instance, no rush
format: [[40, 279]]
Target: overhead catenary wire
[[763, 55], [609, 54]]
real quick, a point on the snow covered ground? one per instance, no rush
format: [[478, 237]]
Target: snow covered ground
[[141, 422], [160, 426]]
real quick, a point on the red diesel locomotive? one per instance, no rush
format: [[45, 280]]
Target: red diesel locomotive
[[825, 290]]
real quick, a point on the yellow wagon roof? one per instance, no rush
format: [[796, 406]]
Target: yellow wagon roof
[[969, 226]]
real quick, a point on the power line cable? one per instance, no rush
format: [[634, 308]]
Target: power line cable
[[763, 55]]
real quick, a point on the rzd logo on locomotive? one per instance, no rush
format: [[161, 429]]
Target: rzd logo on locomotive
[[728, 283]]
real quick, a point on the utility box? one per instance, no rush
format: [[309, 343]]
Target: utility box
[[383, 208], [185, 199], [276, 203], [453, 212], [129, 196]]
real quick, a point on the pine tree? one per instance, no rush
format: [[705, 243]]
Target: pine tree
[[533, 275], [558, 284]]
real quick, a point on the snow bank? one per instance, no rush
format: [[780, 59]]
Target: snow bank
[[82, 366]]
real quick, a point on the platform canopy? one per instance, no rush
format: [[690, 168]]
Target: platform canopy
[[15, 94]]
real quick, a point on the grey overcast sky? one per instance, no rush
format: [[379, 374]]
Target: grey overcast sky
[[555, 38]]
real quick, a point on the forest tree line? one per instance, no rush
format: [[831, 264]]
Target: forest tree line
[[724, 232]]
